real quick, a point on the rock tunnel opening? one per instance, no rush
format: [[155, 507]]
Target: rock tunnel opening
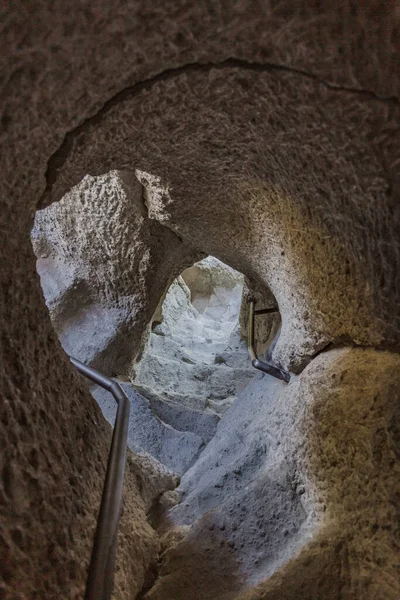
[[253, 483], [109, 267], [96, 250], [195, 355], [193, 367]]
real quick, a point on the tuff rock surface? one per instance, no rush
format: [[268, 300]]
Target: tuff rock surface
[[275, 129], [149, 435], [194, 363], [275, 220]]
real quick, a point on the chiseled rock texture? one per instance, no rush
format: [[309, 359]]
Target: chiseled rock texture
[[103, 265], [306, 232], [266, 327], [52, 477], [275, 128]]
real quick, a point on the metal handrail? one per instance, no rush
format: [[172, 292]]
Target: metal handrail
[[255, 361], [100, 581]]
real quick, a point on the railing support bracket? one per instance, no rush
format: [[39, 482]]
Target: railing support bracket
[[255, 361]]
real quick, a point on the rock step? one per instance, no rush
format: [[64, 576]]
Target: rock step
[[199, 327], [177, 450], [209, 381], [204, 345], [181, 417], [189, 401], [172, 349]]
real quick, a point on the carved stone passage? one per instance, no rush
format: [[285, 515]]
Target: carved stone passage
[[275, 178], [265, 134], [194, 364], [281, 479]]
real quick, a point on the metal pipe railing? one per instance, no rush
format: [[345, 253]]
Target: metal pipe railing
[[100, 579], [255, 361]]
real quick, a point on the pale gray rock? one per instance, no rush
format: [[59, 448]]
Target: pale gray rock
[[244, 482], [147, 433], [289, 472], [195, 357], [96, 249], [215, 289], [182, 418]]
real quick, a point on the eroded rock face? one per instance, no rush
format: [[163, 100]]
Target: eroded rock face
[[59, 470], [192, 369], [96, 249], [175, 448], [304, 475], [215, 289], [275, 220], [62, 67], [266, 327], [103, 266]]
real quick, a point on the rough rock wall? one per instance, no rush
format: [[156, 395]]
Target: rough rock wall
[[266, 327], [279, 176], [299, 502], [191, 370], [103, 266], [54, 448], [62, 66], [215, 289]]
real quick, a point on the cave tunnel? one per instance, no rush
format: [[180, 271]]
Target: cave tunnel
[[165, 166]]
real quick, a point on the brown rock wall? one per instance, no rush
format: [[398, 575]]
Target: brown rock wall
[[60, 65], [277, 175]]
